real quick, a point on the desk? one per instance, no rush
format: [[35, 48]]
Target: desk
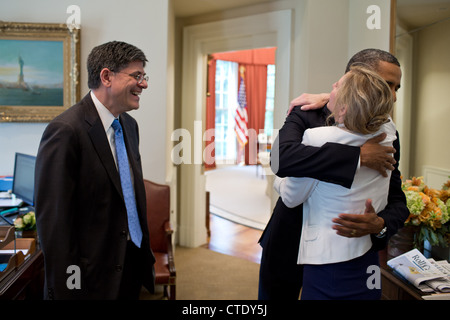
[[394, 288], [25, 282]]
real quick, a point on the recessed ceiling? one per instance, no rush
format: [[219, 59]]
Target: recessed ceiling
[[412, 13], [419, 13]]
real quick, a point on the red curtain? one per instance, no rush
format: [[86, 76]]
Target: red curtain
[[255, 62], [263, 56], [256, 88], [210, 113]]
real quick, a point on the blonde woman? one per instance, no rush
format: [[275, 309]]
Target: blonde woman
[[335, 267]]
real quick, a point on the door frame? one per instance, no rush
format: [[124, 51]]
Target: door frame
[[272, 29]]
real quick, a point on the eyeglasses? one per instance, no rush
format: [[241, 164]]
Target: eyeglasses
[[139, 77]]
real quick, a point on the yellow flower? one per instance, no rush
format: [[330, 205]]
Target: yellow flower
[[446, 185], [18, 223], [26, 222], [429, 210]]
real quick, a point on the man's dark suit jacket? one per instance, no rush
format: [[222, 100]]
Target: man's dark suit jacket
[[280, 276], [80, 210]]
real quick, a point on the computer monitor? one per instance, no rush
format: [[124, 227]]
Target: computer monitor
[[23, 183]]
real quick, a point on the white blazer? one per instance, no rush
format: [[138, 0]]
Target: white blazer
[[323, 201]]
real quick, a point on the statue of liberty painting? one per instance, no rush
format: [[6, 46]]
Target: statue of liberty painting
[[31, 73], [21, 82]]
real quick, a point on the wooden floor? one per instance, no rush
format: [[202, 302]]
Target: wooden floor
[[234, 239]]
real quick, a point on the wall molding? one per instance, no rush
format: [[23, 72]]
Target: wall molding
[[435, 177]]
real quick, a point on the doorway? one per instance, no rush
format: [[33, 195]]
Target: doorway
[[271, 29], [240, 99]]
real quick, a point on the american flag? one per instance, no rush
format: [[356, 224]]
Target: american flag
[[241, 118]]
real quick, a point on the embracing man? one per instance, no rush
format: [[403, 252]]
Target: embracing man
[[280, 275]]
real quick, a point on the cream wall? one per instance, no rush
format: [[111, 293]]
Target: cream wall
[[359, 35], [145, 24], [431, 104]]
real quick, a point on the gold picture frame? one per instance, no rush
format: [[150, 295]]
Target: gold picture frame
[[39, 70]]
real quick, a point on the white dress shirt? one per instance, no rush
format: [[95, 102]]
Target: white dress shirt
[[107, 119], [323, 201]]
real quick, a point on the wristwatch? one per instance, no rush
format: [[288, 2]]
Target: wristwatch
[[382, 233]]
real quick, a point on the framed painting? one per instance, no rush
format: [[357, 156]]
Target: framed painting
[[39, 70]]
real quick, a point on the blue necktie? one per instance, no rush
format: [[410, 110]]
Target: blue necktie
[[125, 179]]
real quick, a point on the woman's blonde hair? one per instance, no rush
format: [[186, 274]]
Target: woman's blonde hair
[[368, 99]]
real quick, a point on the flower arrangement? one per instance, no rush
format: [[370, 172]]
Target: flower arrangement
[[429, 210], [25, 222]]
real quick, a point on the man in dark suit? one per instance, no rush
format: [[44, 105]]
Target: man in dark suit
[[280, 275], [80, 208]]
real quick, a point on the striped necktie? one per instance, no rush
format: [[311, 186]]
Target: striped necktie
[[134, 227]]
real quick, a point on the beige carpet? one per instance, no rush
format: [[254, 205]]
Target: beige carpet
[[203, 274], [238, 193]]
